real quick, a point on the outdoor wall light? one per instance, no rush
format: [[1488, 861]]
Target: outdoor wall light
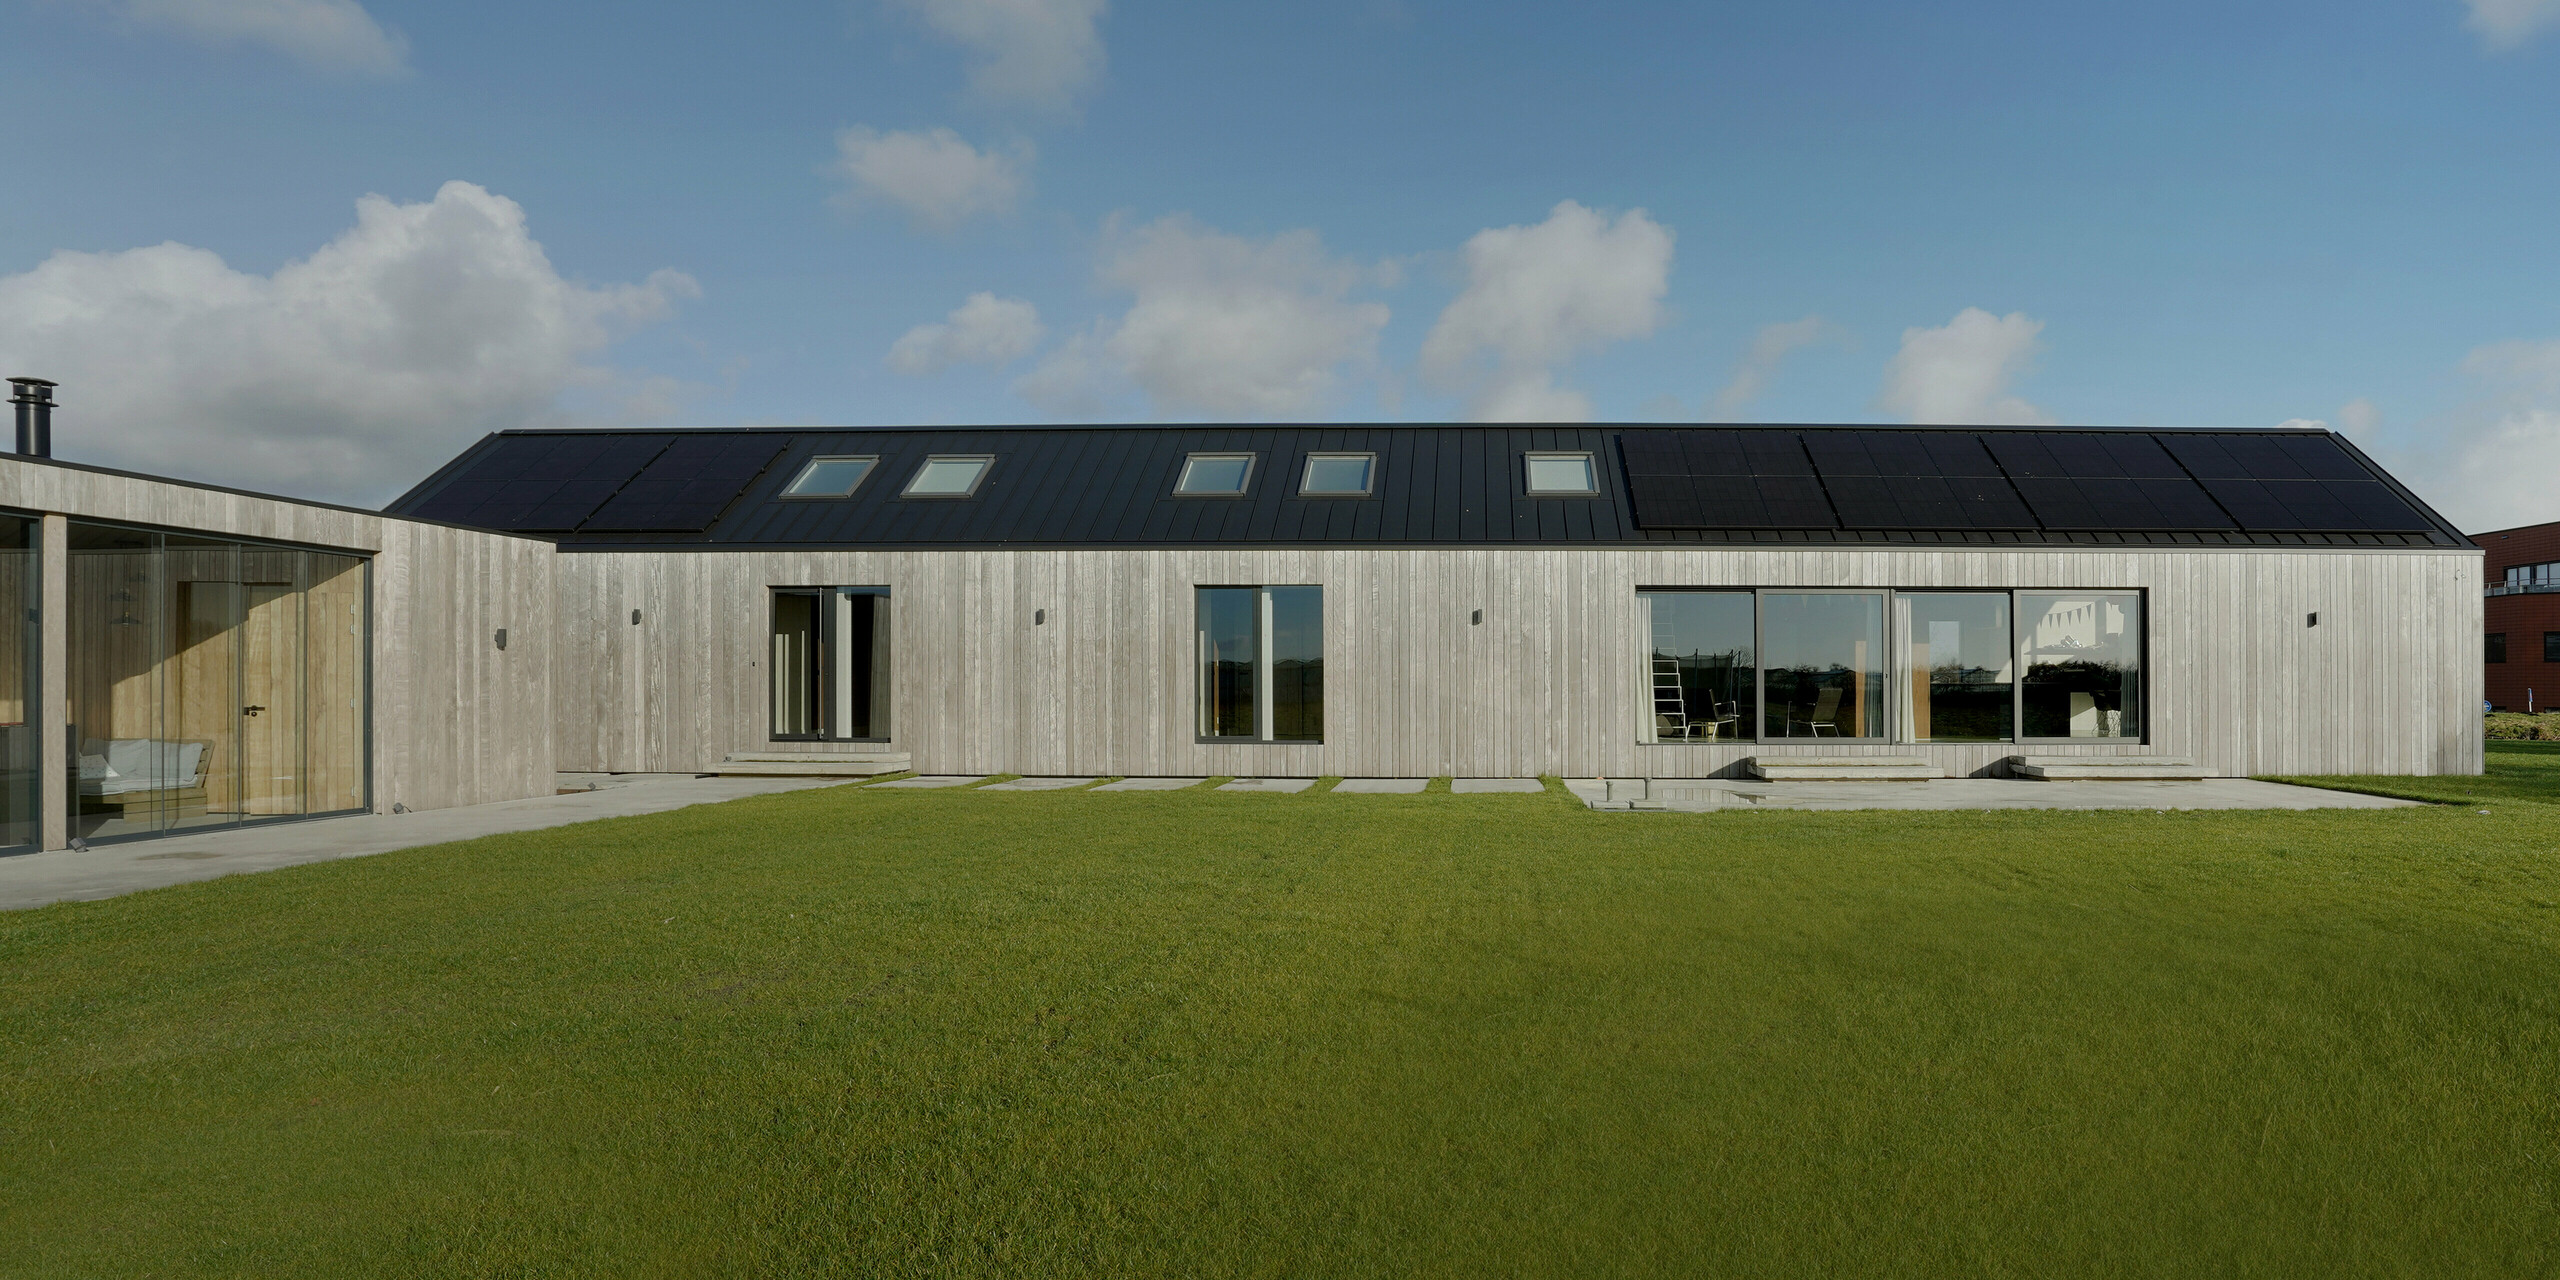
[[1039, 617], [502, 637], [2315, 619], [635, 617], [1477, 620]]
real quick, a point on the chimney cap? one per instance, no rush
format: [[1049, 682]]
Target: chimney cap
[[32, 388]]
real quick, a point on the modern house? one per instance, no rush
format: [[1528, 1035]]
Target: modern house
[[1258, 601], [2520, 617]]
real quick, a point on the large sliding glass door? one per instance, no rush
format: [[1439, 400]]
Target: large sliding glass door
[[21, 761], [1261, 663], [212, 682]]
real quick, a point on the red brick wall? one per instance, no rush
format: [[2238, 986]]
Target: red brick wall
[[2524, 678]]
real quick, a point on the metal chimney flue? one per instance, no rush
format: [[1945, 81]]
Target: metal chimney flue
[[33, 399]]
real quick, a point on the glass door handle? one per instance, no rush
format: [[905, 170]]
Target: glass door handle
[[251, 711]]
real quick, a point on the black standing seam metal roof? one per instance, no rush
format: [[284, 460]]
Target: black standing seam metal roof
[[1444, 485]]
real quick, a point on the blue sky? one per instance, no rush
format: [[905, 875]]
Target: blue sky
[[2170, 214]]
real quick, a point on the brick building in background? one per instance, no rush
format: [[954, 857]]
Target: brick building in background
[[2521, 617]]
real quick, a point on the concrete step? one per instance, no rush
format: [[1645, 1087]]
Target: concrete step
[[2102, 768], [813, 764], [1843, 768]]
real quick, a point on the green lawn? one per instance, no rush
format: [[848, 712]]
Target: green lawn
[[852, 1032], [2516, 771]]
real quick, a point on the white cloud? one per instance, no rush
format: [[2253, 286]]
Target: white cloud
[[1770, 347], [2488, 464], [936, 177], [1040, 52], [336, 36], [984, 330], [1219, 325], [1536, 296], [1959, 374], [347, 375], [2507, 24]]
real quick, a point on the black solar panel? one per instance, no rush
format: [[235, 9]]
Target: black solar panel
[[688, 486], [542, 483]]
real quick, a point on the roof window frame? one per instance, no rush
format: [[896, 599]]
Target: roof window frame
[[986, 466], [870, 470], [1244, 486], [1306, 471], [1590, 466]]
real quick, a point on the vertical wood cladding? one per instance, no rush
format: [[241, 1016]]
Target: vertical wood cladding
[[1548, 683]]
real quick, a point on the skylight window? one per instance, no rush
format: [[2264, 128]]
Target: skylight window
[[1215, 475], [949, 476], [1338, 475], [830, 477], [1562, 475]]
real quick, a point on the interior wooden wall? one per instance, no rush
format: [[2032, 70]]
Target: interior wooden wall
[[1553, 681]]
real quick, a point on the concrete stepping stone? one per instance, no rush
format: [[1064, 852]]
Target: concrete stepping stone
[[936, 780], [1276, 786], [1381, 786], [1151, 784], [1487, 786], [1039, 784]]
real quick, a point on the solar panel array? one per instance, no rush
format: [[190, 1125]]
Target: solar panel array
[[542, 483], [2062, 481], [687, 487]]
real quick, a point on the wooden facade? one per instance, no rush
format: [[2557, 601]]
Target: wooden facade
[[1550, 682], [453, 719]]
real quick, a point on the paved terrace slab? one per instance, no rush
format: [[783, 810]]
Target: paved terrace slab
[[104, 871], [1703, 795]]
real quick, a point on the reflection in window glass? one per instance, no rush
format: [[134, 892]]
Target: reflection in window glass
[[1560, 473], [1339, 474], [1262, 663], [2494, 647], [1219, 474], [947, 477], [1823, 655], [1703, 682], [1956, 684], [19, 698], [830, 663], [2082, 653], [829, 477]]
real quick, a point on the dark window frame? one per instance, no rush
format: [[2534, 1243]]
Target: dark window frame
[[787, 494], [1307, 466], [986, 468], [2493, 647], [1244, 487], [1591, 467]]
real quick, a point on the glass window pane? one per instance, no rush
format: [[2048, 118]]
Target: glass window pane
[[1957, 681], [1228, 622], [1216, 473], [830, 477], [947, 477], [2495, 649], [1337, 473], [794, 662], [1824, 657], [2082, 654], [1560, 473], [1297, 663], [1703, 676], [19, 762]]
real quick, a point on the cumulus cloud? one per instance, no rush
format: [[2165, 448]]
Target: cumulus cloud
[[1769, 348], [984, 330], [2487, 464], [347, 375], [1219, 325], [1537, 296], [335, 36], [2507, 24], [1039, 52], [1959, 374], [935, 177]]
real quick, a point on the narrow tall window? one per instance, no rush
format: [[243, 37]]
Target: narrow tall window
[[1702, 678], [1261, 653], [2082, 655], [2496, 648], [2551, 646], [1956, 683], [829, 668]]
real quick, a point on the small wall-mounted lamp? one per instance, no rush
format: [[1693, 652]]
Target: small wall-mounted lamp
[[2313, 620], [635, 617], [1477, 620], [1039, 617], [502, 637]]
